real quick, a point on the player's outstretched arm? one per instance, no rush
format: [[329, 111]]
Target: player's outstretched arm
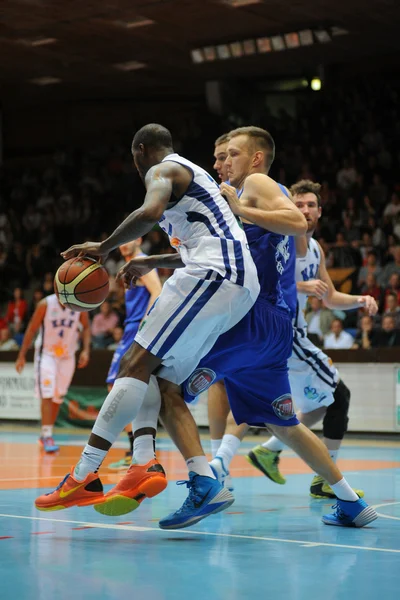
[[32, 328], [334, 299], [159, 183], [264, 204], [138, 267]]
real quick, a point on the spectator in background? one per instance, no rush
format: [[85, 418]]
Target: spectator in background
[[387, 336], [36, 262], [117, 334], [346, 177], [378, 192], [392, 308], [371, 268], [338, 339], [393, 208], [7, 342], [365, 334], [391, 267], [394, 286], [48, 284], [371, 288], [36, 298], [318, 317], [17, 310], [103, 325]]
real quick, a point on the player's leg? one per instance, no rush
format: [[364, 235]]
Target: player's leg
[[230, 442], [182, 327], [351, 511], [83, 486], [334, 429], [45, 386], [145, 478], [218, 411], [206, 495], [124, 345]]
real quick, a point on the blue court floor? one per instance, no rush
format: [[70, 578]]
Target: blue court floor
[[269, 544]]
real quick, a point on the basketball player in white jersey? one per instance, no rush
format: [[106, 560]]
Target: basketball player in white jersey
[[55, 347], [215, 287]]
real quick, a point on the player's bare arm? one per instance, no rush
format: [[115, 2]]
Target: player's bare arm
[[33, 326], [84, 356], [153, 284], [161, 180], [334, 299], [264, 204], [139, 267]]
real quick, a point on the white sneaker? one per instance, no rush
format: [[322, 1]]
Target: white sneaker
[[223, 476]]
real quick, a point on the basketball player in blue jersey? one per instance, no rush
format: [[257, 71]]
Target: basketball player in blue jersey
[[257, 381], [138, 300], [213, 290], [318, 391]]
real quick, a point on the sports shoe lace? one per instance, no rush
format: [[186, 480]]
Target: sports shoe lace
[[59, 485], [339, 512], [193, 497]]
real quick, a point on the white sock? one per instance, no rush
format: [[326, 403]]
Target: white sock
[[333, 454], [90, 462], [47, 431], [274, 444], [143, 449], [228, 448], [199, 465], [343, 491], [120, 407], [215, 444]]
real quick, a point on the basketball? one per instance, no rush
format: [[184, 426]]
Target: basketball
[[81, 284]]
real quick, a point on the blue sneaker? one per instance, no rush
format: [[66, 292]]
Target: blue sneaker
[[350, 514], [206, 497], [48, 444], [221, 473]]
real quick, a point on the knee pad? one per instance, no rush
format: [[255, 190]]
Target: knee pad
[[336, 418]]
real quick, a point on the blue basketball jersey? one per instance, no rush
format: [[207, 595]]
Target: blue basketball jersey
[[136, 302], [275, 258]]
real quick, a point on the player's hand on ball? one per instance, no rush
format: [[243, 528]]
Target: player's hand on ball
[[83, 360], [230, 194], [132, 271], [20, 364], [86, 249], [316, 287], [369, 303]]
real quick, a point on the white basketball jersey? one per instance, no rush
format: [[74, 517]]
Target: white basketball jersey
[[306, 268], [205, 232], [59, 332]]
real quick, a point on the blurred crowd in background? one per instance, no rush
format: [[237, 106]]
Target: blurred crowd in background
[[347, 142]]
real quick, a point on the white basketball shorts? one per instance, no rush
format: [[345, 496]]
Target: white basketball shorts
[[53, 376], [312, 375], [188, 317]]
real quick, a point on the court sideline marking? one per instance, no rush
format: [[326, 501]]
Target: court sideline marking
[[303, 543]]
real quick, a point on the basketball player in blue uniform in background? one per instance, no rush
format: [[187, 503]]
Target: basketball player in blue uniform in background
[[138, 300]]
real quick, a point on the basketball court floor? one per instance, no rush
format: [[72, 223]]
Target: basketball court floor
[[269, 543]]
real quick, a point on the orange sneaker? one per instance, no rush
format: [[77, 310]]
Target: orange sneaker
[[140, 482], [71, 492]]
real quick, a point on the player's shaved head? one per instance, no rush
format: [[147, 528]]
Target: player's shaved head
[[153, 136], [260, 140]]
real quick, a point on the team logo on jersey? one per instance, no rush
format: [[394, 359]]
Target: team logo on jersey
[[283, 407], [200, 380], [312, 394]]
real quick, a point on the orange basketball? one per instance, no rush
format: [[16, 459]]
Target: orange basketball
[[81, 284]]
